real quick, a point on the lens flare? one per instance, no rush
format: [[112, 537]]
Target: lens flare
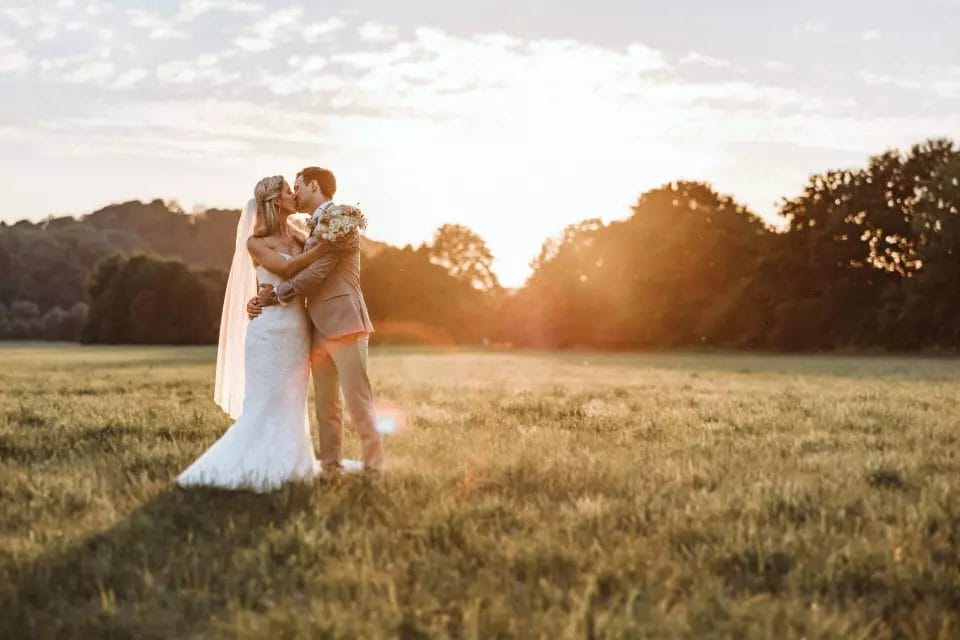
[[390, 419], [386, 425]]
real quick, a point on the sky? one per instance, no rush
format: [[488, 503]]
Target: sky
[[514, 118]]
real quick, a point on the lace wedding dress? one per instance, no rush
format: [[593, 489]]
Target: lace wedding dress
[[270, 443]]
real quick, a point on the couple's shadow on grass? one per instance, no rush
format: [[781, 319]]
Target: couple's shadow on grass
[[177, 562]]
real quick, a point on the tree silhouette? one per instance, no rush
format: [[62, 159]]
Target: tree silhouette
[[464, 255], [145, 300], [664, 276]]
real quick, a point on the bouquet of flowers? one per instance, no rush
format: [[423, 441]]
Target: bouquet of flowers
[[337, 222]]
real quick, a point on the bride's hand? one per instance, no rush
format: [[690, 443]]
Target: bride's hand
[[265, 296], [253, 308]]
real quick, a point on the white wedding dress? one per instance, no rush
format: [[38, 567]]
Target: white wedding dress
[[270, 443]]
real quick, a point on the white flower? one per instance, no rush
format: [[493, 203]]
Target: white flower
[[337, 222]]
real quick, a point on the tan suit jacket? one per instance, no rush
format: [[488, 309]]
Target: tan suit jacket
[[331, 287]]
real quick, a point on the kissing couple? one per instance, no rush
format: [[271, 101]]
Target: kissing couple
[[307, 315]]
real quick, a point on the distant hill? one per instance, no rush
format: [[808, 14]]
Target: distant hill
[[48, 262]]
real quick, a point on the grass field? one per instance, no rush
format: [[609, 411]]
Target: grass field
[[530, 495]]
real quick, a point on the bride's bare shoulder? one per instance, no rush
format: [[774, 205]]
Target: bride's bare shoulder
[[264, 242], [259, 246]]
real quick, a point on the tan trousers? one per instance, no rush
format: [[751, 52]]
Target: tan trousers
[[336, 364]]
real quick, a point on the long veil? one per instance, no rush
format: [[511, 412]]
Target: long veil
[[228, 387]]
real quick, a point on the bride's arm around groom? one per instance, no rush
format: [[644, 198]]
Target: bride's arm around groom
[[311, 279]]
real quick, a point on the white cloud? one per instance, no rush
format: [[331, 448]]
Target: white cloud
[[192, 9], [775, 65], [12, 58], [50, 64], [303, 77], [316, 31], [157, 28], [130, 142], [645, 58], [697, 58], [374, 59], [178, 72], [165, 32], [129, 79], [943, 83], [293, 84], [95, 7], [49, 26], [20, 16], [90, 72], [871, 34], [209, 59], [270, 30], [810, 28], [375, 32], [308, 63], [189, 73], [248, 43]]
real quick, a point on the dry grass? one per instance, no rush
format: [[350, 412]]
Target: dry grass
[[530, 495]]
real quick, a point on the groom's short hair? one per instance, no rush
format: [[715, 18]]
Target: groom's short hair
[[324, 178]]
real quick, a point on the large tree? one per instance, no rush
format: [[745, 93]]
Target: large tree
[[146, 300], [414, 299], [852, 245], [671, 274], [464, 255]]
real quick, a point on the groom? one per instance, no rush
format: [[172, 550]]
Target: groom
[[341, 328]]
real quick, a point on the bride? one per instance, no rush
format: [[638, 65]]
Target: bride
[[262, 364]]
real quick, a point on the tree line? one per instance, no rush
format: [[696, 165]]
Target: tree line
[[866, 258], [870, 258]]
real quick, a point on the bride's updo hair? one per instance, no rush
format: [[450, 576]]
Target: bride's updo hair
[[266, 194]]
